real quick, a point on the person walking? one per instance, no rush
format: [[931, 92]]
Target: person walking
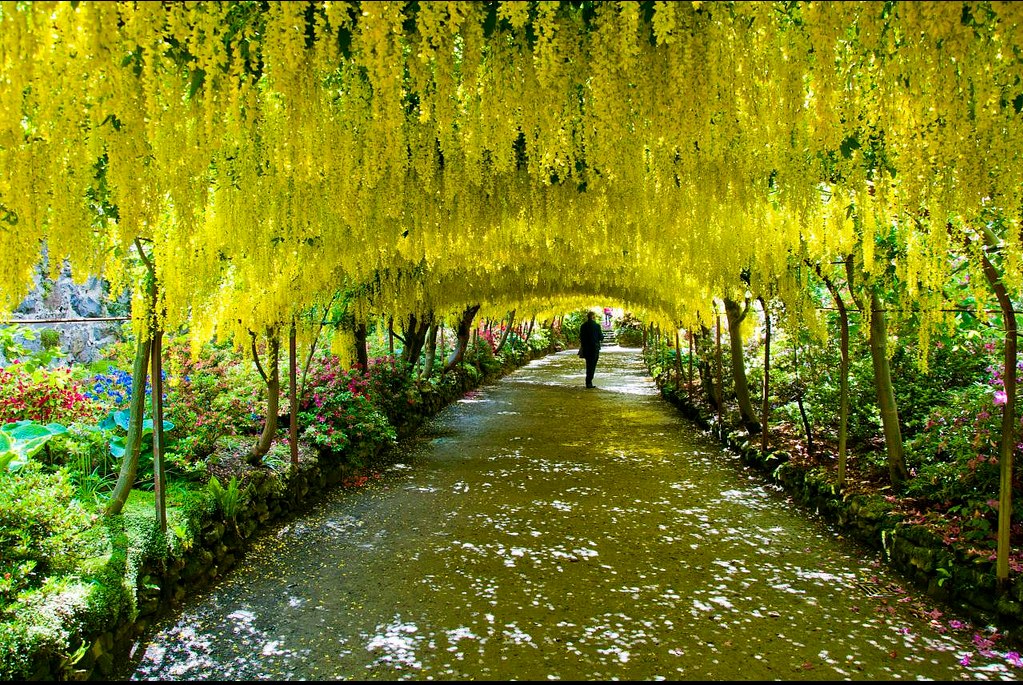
[[590, 337]]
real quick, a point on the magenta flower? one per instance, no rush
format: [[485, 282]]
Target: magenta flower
[[965, 661], [1014, 659], [956, 624], [1000, 398]]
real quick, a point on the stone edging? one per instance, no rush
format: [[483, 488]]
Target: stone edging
[[945, 572]]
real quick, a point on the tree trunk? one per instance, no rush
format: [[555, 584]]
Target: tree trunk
[[431, 351], [293, 394], [719, 390], [765, 407], [689, 334], [843, 371], [507, 330], [742, 396], [137, 410], [678, 362], [156, 398], [1008, 437], [704, 367], [272, 378], [885, 392], [807, 428], [897, 470], [361, 350], [133, 443], [462, 337], [415, 338]]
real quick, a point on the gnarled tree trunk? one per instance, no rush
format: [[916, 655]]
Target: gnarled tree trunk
[[272, 378], [739, 380], [361, 350], [414, 337], [431, 351], [462, 337]]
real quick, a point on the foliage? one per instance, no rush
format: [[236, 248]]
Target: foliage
[[22, 440], [570, 324], [228, 499], [40, 525], [43, 394], [84, 449], [390, 385], [338, 411], [120, 419], [13, 349], [956, 451], [629, 330], [480, 355]]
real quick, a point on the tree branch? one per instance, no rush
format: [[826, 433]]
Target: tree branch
[[255, 358]]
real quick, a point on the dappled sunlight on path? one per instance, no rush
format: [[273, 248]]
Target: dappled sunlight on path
[[541, 530]]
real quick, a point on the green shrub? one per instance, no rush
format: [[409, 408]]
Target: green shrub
[[40, 524], [392, 389], [480, 355], [629, 330], [49, 338]]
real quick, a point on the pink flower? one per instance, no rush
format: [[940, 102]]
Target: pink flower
[[1000, 398], [965, 661], [955, 624], [1014, 659]]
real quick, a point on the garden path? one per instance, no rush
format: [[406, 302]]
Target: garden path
[[539, 530]]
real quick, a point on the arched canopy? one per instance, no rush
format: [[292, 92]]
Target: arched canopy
[[655, 153]]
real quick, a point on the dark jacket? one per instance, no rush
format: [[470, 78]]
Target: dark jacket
[[590, 337]]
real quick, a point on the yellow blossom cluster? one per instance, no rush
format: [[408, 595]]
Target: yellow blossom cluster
[[515, 154]]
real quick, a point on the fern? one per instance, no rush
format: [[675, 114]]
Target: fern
[[228, 499]]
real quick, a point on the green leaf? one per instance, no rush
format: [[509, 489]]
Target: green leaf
[[29, 448], [121, 418], [5, 442], [28, 430], [56, 428], [117, 447]]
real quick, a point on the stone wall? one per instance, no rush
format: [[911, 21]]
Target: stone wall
[[62, 298]]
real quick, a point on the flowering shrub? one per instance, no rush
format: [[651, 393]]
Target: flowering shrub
[[480, 355], [44, 395], [392, 388], [337, 411], [957, 456], [210, 396], [112, 389]]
